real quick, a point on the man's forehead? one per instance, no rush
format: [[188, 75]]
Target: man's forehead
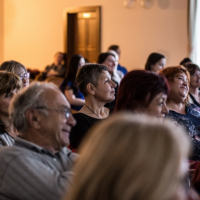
[[56, 98]]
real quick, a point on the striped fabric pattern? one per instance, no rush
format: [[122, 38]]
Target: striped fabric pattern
[[6, 139]]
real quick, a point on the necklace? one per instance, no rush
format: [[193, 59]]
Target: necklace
[[94, 112]]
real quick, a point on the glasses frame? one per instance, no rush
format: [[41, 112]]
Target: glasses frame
[[26, 76], [66, 111]]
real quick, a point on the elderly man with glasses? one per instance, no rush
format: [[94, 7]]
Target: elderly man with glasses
[[38, 166]]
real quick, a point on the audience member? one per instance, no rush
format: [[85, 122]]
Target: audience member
[[155, 62], [69, 86], [38, 166], [117, 75], [118, 51], [18, 69], [9, 85], [194, 95], [180, 111], [126, 157], [141, 91], [57, 68], [109, 60], [185, 61], [95, 83]]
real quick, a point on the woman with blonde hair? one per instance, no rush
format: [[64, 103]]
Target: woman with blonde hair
[[9, 85], [126, 157], [18, 69]]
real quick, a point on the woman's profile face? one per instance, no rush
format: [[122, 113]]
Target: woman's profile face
[[105, 90], [195, 79], [24, 76], [110, 62], [158, 107], [159, 65]]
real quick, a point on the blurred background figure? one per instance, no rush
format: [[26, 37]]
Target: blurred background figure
[[185, 61], [58, 67], [18, 69], [127, 157], [108, 59], [117, 75], [9, 85], [69, 86], [194, 95], [181, 112], [143, 92], [94, 82], [155, 62], [118, 51]]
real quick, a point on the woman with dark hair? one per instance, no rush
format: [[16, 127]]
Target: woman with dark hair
[[69, 86], [181, 112], [9, 85], [108, 59], [194, 95], [155, 62], [18, 69], [141, 91], [185, 61], [95, 84]]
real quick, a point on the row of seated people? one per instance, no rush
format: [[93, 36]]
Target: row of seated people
[[36, 114]]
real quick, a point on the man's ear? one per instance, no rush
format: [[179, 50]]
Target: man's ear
[[33, 118], [91, 88]]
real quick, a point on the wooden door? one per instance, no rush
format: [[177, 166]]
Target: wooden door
[[83, 33]]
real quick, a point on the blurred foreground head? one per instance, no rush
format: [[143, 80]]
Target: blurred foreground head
[[126, 157]]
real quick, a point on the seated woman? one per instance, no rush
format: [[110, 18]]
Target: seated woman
[[155, 62], [108, 59], [180, 111], [141, 92], [194, 94], [95, 83], [127, 157], [18, 69], [69, 86], [9, 85]]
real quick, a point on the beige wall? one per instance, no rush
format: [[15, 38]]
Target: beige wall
[[1, 31], [33, 30]]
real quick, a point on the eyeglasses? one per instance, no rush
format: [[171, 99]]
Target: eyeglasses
[[25, 76], [66, 111]]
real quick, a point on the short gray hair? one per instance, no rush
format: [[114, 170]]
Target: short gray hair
[[29, 98]]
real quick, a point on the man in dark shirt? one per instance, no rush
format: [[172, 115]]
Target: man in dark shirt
[[38, 166]]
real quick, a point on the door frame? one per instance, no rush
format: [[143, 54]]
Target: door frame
[[75, 10]]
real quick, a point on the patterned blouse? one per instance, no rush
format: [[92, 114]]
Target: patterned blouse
[[191, 123]]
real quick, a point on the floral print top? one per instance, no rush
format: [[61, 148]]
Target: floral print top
[[191, 123]]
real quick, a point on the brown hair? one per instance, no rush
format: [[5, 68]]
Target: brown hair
[[9, 82], [11, 65], [172, 71], [191, 67]]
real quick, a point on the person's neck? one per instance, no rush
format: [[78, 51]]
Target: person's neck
[[178, 107], [194, 91], [93, 106], [8, 126], [40, 140]]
